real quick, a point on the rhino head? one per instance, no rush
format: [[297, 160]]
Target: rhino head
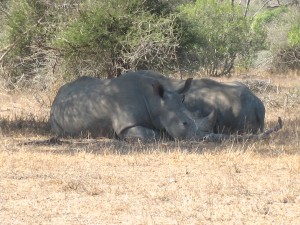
[[170, 114]]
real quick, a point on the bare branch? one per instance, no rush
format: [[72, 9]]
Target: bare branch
[[263, 6], [247, 8]]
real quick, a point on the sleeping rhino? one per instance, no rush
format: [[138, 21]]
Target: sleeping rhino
[[237, 109], [128, 106]]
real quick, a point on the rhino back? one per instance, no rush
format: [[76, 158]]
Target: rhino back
[[100, 106], [171, 84], [238, 109], [81, 105]]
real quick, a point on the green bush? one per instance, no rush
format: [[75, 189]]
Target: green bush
[[100, 38], [214, 35], [288, 56], [262, 19], [119, 36], [27, 29], [44, 39], [20, 34], [91, 38], [294, 35], [283, 39]]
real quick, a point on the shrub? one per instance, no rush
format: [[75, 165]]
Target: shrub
[[20, 35], [294, 35], [27, 30], [214, 34], [288, 57], [118, 36], [264, 18], [283, 36]]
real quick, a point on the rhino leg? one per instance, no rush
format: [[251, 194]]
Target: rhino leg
[[140, 133]]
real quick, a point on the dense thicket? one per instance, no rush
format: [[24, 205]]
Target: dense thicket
[[41, 39]]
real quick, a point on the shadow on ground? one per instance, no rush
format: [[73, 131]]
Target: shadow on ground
[[36, 133], [26, 125]]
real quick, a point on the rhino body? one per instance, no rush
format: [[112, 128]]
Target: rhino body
[[128, 106], [238, 109]]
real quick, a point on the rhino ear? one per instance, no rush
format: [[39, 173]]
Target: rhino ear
[[158, 89], [186, 87]]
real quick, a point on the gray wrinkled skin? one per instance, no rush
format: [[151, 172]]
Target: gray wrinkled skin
[[238, 110], [128, 106]]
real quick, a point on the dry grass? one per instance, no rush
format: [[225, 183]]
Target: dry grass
[[112, 182]]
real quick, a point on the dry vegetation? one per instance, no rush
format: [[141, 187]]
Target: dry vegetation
[[113, 182]]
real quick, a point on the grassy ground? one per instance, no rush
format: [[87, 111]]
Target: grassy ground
[[112, 182]]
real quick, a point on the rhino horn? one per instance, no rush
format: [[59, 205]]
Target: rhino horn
[[186, 86], [207, 123]]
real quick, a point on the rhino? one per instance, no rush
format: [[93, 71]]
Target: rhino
[[238, 110], [128, 107]]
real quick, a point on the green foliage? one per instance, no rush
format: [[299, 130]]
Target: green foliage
[[262, 21], [95, 23], [93, 36], [19, 25], [281, 26], [265, 17], [42, 38], [17, 21], [119, 36], [288, 56], [215, 33], [26, 31], [294, 35]]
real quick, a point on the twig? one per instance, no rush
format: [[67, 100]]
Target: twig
[[266, 2]]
